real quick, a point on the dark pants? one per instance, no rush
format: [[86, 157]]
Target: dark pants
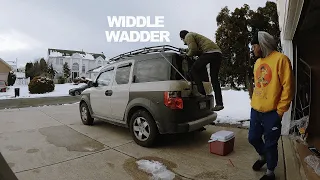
[[269, 125], [196, 72]]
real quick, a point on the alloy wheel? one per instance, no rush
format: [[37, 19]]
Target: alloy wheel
[[141, 128]]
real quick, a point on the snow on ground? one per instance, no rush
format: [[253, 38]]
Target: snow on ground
[[59, 90], [236, 107], [157, 169]]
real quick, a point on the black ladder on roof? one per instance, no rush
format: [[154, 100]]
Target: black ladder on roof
[[147, 50]]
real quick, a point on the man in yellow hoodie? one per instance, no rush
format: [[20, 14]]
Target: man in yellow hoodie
[[271, 98]]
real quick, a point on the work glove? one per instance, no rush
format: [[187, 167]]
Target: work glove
[[182, 50], [184, 56]]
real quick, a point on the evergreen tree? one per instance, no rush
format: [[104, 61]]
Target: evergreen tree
[[29, 71], [43, 66], [66, 70], [51, 71], [234, 34]]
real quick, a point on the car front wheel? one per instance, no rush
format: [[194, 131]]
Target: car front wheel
[[143, 128], [85, 114]]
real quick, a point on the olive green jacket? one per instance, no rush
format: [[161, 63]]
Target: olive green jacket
[[199, 44]]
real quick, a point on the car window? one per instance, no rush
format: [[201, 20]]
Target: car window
[[2, 83], [105, 78], [123, 74], [151, 70]]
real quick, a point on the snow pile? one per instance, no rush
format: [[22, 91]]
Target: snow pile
[[88, 56], [55, 54], [60, 90], [157, 169], [236, 107]]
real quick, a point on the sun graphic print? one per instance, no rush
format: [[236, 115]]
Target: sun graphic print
[[264, 75]]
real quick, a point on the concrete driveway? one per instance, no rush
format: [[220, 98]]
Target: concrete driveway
[[51, 143]]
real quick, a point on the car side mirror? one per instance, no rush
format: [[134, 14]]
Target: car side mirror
[[95, 84]]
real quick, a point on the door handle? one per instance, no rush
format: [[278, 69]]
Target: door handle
[[108, 92]]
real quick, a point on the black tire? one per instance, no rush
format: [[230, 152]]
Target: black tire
[[85, 114], [153, 130]]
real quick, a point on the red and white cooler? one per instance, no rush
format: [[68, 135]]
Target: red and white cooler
[[222, 142]]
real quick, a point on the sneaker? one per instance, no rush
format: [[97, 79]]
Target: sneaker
[[268, 177], [218, 108], [258, 165]]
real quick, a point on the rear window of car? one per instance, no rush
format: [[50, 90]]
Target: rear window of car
[[151, 70], [2, 83]]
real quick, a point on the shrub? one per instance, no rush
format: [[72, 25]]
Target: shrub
[[11, 78], [61, 80], [41, 85]]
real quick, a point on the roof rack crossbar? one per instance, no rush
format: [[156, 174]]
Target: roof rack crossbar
[[147, 50]]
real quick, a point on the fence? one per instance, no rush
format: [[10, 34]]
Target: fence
[[22, 81]]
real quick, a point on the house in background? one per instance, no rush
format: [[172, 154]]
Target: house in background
[[79, 62], [5, 68]]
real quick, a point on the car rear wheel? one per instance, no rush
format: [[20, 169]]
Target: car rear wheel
[[85, 114], [143, 128]]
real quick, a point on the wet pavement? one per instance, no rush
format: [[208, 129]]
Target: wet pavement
[[51, 143]]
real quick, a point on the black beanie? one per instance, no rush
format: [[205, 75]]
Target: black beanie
[[255, 39], [183, 33]]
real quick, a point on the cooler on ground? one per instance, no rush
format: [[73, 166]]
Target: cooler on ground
[[222, 142]]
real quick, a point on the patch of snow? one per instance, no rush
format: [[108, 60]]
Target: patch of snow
[[55, 54], [88, 56], [59, 90], [157, 169], [236, 107], [246, 124]]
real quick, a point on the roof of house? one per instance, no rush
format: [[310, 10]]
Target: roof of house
[[5, 64], [65, 52]]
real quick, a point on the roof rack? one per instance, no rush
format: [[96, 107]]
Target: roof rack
[[147, 50]]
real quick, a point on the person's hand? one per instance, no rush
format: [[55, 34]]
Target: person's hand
[[184, 56], [182, 50]]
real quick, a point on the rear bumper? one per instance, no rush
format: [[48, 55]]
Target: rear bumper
[[197, 124]]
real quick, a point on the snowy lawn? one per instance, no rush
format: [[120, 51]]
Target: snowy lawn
[[59, 90], [236, 108]]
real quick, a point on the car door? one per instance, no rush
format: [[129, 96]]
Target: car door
[[120, 89], [100, 95]]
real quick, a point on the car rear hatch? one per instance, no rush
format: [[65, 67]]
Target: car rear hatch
[[193, 106]]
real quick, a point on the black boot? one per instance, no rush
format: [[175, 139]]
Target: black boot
[[218, 108], [268, 177], [259, 164]]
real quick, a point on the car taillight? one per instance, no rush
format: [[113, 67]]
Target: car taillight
[[173, 100]]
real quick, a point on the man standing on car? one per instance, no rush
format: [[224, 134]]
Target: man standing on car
[[271, 98], [208, 52]]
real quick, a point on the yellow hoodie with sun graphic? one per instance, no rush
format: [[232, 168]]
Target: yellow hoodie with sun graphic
[[273, 80]]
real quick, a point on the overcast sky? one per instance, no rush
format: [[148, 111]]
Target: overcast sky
[[29, 28]]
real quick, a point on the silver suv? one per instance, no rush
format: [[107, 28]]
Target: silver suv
[[150, 93]]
